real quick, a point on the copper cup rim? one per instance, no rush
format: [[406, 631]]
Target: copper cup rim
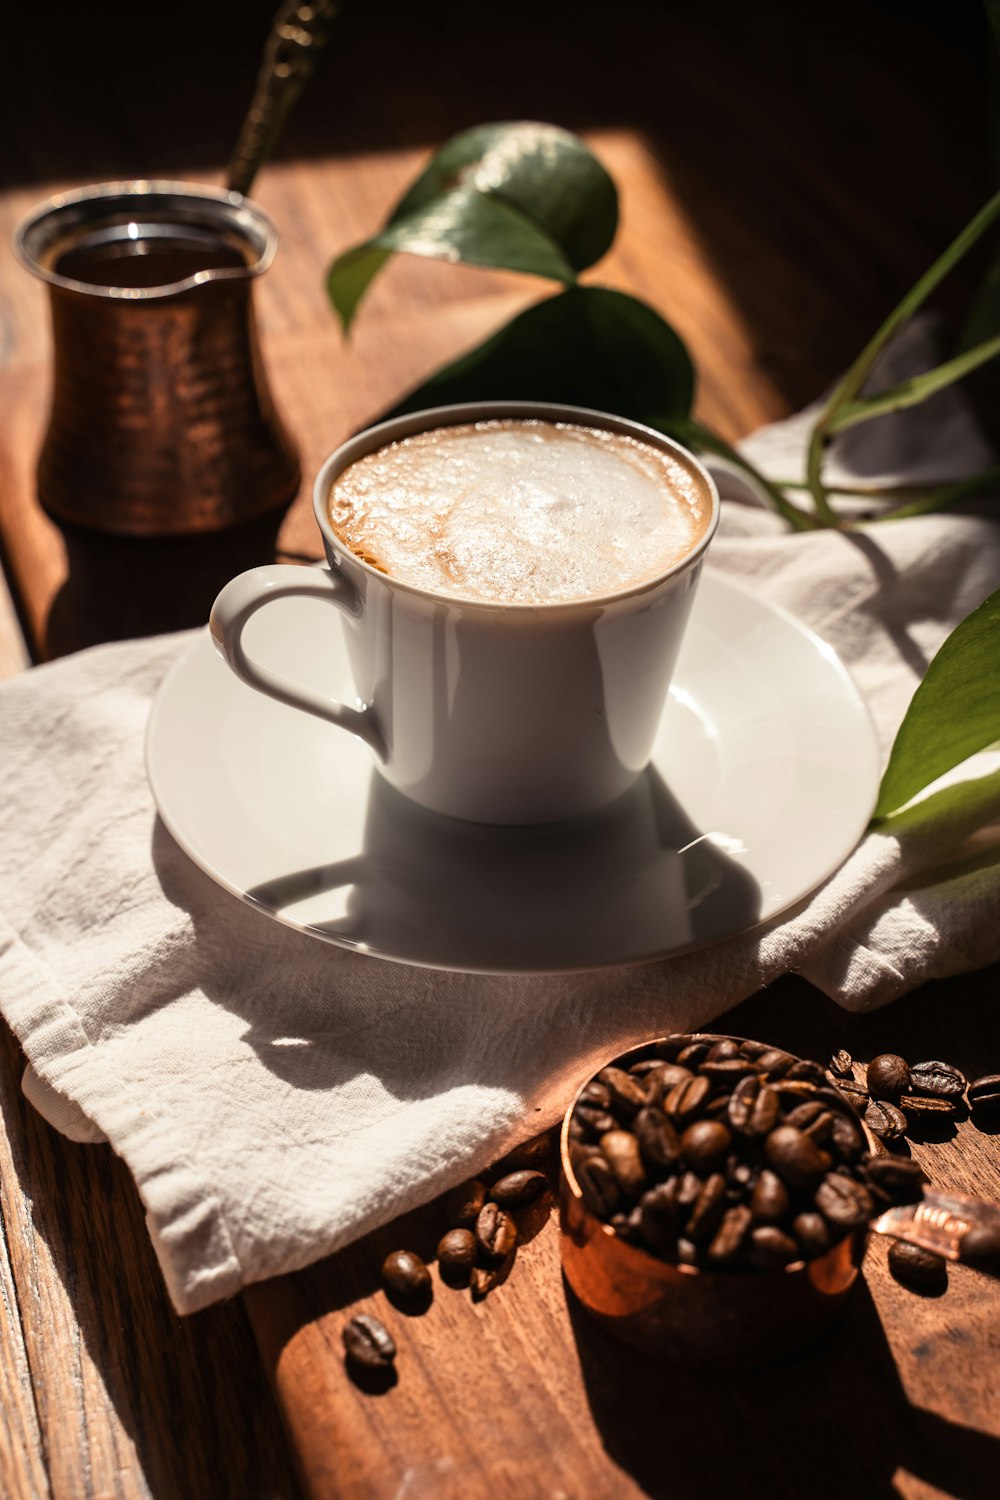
[[651, 1265], [66, 211]]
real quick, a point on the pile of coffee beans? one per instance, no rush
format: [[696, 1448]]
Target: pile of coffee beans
[[727, 1154], [898, 1099]]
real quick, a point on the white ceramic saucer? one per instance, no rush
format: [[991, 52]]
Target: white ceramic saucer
[[763, 777]]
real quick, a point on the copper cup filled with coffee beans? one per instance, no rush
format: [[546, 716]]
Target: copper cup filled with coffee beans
[[715, 1199]]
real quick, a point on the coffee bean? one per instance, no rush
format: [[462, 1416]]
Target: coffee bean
[[753, 1107], [843, 1202], [727, 1070], [482, 1280], [687, 1252], [754, 1050], [885, 1120], [368, 1343], [708, 1209], [598, 1186], [659, 1218], [917, 1267], [899, 1177], [518, 1188], [666, 1077], [627, 1093], [644, 1067], [496, 1232], [888, 1076], [841, 1065], [658, 1139], [693, 1054], [405, 1274], [669, 1047], [846, 1138], [804, 1114], [806, 1069], [792, 1089], [795, 1158], [984, 1094], [621, 1150], [813, 1234], [529, 1156], [820, 1129], [595, 1093], [769, 1201], [775, 1063], [456, 1254], [854, 1095], [463, 1203], [721, 1051], [685, 1100], [771, 1248], [938, 1079], [926, 1107], [705, 1144], [689, 1186], [731, 1235]]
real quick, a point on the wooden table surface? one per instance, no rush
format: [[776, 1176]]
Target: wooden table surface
[[779, 191]]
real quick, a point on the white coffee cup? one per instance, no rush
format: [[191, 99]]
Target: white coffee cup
[[499, 713]]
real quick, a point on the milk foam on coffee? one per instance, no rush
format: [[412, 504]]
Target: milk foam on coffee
[[519, 511]]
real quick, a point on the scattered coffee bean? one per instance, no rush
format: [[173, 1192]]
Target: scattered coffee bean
[[855, 1095], [368, 1343], [456, 1254], [842, 1065], [496, 1233], [518, 1188], [888, 1076], [899, 1177], [984, 1094], [621, 1150], [705, 1144], [885, 1120], [405, 1274], [924, 1107], [463, 1203], [482, 1281], [917, 1267], [938, 1079]]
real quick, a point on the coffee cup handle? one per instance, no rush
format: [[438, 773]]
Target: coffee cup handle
[[244, 596]]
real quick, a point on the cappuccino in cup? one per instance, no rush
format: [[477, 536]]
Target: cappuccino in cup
[[514, 511], [513, 579]]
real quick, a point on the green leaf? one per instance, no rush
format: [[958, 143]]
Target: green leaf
[[587, 346], [519, 197], [916, 389], [954, 712]]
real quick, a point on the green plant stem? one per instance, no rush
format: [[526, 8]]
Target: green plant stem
[[942, 496], [703, 437], [850, 385], [915, 390]]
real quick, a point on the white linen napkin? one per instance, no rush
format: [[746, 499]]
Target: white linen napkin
[[274, 1097]]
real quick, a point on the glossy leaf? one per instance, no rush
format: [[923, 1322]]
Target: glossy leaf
[[955, 710], [587, 346], [520, 197]]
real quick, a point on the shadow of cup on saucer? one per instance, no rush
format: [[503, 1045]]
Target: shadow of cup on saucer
[[629, 882]]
